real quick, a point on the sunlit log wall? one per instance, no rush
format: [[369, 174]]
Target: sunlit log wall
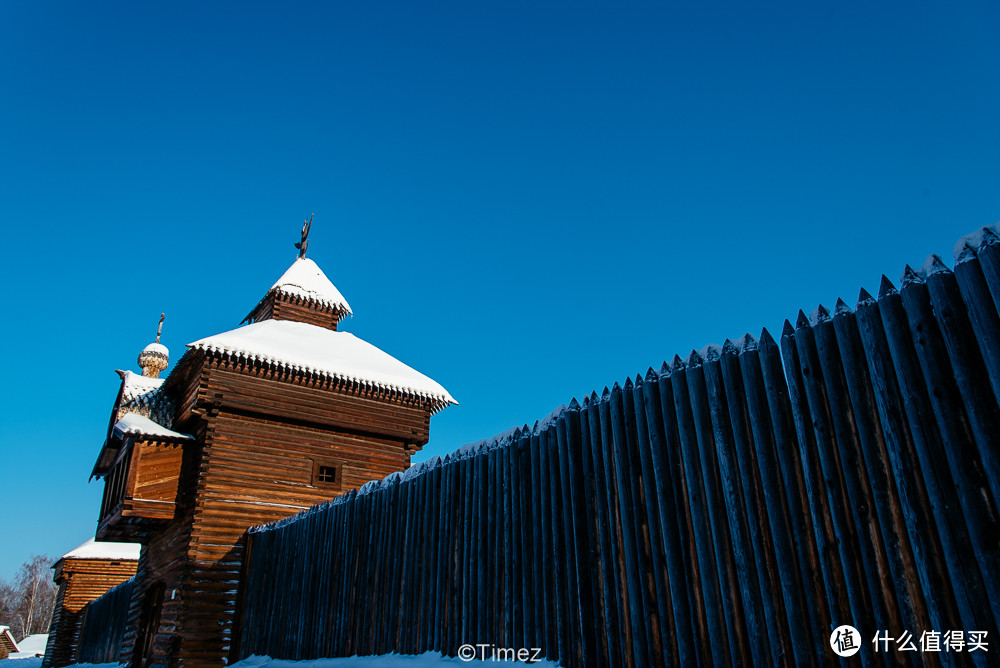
[[732, 507], [103, 625]]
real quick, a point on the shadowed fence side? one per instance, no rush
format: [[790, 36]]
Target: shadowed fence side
[[103, 625], [730, 508]]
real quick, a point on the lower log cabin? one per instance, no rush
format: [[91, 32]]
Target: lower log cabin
[[7, 644], [83, 574], [250, 426]]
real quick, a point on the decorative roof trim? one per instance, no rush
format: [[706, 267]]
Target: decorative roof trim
[[339, 309], [437, 401], [342, 309], [303, 349]]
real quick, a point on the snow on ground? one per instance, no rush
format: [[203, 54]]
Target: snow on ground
[[426, 660], [15, 660]]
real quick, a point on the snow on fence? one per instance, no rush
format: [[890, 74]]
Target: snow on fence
[[733, 507], [103, 625]]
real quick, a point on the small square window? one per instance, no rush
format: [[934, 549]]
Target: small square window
[[327, 474]]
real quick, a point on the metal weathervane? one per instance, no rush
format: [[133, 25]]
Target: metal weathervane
[[304, 243]]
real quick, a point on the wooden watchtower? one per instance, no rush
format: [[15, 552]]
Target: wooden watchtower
[[82, 575], [250, 426]]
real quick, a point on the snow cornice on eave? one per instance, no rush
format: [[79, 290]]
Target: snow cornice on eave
[[315, 352], [134, 424]]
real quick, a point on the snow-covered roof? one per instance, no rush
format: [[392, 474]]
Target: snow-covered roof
[[143, 395], [91, 549], [140, 425], [32, 646], [135, 384], [305, 279], [302, 347]]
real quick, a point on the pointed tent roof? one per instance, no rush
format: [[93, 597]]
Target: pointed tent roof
[[306, 280]]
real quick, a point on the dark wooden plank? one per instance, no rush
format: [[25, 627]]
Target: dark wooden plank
[[699, 507], [654, 545], [752, 554], [858, 389], [870, 550], [969, 479], [799, 594]]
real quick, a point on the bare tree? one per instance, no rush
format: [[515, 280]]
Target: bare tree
[[9, 601], [27, 603]]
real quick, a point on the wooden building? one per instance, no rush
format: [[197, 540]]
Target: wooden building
[[83, 574], [7, 644], [250, 426]]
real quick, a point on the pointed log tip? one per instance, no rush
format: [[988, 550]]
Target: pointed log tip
[[765, 337], [638, 379], [787, 328], [593, 396], [678, 363], [967, 254], [802, 320], [650, 374], [694, 359], [910, 277], [664, 368], [864, 297], [934, 266], [628, 385], [750, 343], [989, 238], [841, 308], [886, 288], [616, 387], [728, 347], [574, 404], [821, 314], [606, 392]]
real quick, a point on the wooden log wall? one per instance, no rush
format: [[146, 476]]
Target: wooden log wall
[[731, 508], [80, 582], [103, 625]]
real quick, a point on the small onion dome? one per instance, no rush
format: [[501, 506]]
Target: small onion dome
[[153, 359]]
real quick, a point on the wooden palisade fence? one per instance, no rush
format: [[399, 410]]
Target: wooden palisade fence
[[730, 508], [103, 625]]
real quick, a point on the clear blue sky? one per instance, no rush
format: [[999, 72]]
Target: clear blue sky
[[525, 201]]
